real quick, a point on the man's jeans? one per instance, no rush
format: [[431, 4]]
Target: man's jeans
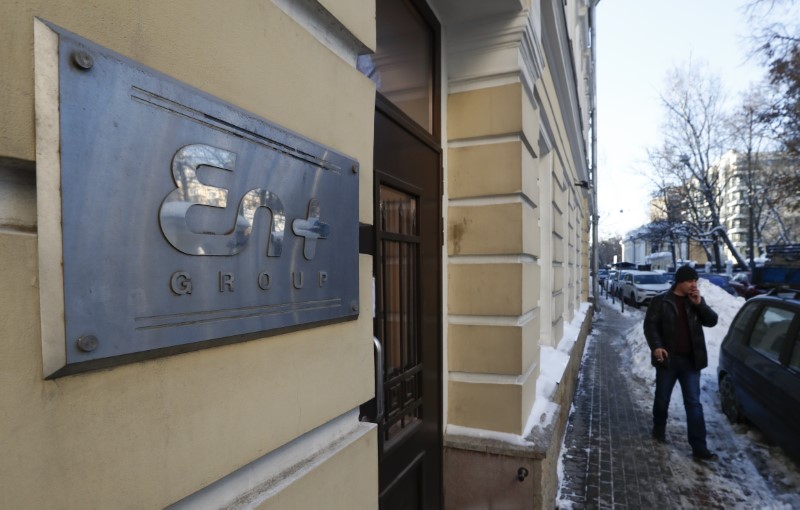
[[681, 369]]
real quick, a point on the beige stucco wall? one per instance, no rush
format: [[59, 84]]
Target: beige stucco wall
[[347, 481], [505, 290], [515, 226], [491, 111], [502, 228], [491, 169], [495, 349], [144, 435], [492, 241], [511, 173], [551, 109], [355, 16], [501, 406], [248, 53], [564, 225]]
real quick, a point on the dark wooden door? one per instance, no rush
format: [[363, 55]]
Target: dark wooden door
[[408, 317]]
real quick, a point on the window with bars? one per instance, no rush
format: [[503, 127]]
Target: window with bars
[[399, 240]]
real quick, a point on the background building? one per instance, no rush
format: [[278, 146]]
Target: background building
[[465, 132], [762, 176], [774, 213]]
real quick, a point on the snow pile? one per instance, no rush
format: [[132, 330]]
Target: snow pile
[[552, 363]]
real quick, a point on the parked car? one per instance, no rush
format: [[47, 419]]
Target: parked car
[[602, 274], [614, 282], [722, 281], [612, 275], [759, 369], [639, 287], [744, 287]]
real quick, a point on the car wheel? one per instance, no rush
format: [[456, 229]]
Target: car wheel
[[729, 402], [633, 300]]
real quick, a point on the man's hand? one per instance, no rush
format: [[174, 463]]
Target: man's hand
[[660, 354], [694, 297]]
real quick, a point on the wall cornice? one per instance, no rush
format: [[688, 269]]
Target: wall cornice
[[495, 50], [453, 12], [562, 69]]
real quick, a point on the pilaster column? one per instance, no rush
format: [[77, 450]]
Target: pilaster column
[[493, 221]]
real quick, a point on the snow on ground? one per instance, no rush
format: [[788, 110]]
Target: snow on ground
[[765, 465]]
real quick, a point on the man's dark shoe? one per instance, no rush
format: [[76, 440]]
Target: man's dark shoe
[[659, 435], [704, 455]]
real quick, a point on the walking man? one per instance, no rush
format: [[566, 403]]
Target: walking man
[[673, 327]]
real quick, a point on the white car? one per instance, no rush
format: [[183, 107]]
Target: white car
[[612, 276], [615, 281], [639, 287]]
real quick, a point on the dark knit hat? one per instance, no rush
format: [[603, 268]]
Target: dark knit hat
[[684, 274]]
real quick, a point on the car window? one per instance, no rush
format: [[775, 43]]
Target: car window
[[739, 326], [794, 362], [650, 278], [770, 331]]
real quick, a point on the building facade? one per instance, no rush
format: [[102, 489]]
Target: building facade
[[775, 219], [411, 237], [638, 247], [774, 216]]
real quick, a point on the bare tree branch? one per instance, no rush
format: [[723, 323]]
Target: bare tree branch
[[695, 135]]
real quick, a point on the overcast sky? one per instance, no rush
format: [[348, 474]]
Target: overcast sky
[[638, 41]]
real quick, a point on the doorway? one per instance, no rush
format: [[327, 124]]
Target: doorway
[[408, 316], [407, 253]]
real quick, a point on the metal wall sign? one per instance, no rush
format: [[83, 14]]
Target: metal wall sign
[[186, 219]]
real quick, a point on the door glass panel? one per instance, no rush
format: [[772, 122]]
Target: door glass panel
[[402, 65], [400, 311], [398, 212]]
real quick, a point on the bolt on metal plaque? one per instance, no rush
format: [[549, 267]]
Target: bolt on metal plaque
[[181, 220]]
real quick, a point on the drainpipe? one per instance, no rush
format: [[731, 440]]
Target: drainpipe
[[593, 99]]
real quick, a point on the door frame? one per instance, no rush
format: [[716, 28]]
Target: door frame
[[393, 114]]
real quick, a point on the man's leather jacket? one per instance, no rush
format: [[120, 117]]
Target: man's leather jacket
[[662, 318]]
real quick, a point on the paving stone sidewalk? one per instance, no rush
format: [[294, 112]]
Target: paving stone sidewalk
[[611, 461]]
